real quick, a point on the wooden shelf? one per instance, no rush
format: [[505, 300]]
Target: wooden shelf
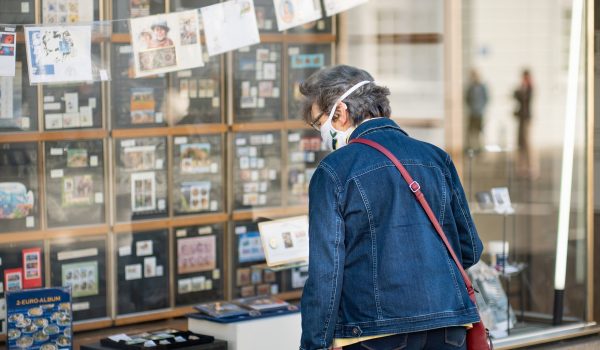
[[198, 129], [270, 213], [53, 233], [135, 226], [92, 324], [397, 38], [53, 135], [197, 220], [140, 132]]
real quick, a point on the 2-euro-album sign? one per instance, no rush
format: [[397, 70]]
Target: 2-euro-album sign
[[39, 319]]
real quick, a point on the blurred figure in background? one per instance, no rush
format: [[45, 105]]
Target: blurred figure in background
[[476, 98], [523, 95]]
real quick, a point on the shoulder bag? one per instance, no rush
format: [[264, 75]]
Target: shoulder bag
[[478, 335]]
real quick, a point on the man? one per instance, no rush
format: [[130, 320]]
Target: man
[[160, 30], [476, 99], [379, 275]]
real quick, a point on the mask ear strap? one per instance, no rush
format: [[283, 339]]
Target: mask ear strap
[[346, 94]]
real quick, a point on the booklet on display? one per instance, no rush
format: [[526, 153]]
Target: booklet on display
[[263, 303], [221, 309], [285, 241]]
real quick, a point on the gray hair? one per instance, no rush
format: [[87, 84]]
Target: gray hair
[[326, 86]]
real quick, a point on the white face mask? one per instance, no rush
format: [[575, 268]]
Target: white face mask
[[332, 138]]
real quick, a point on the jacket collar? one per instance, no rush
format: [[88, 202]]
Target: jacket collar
[[370, 125]]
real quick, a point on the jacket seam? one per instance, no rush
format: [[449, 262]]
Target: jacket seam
[[464, 214], [412, 319], [366, 202], [454, 280], [332, 174], [389, 164], [377, 128], [333, 283]]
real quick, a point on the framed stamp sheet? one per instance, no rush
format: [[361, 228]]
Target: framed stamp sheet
[[141, 178], [82, 265], [19, 198], [257, 83], [256, 170], [197, 174], [135, 102], [251, 277], [18, 11], [199, 264], [142, 279], [75, 183], [18, 99]]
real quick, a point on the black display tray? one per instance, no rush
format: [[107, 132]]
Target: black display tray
[[202, 339], [216, 345]]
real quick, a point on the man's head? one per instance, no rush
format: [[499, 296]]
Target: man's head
[[323, 89]]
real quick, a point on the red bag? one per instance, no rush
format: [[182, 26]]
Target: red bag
[[477, 336]]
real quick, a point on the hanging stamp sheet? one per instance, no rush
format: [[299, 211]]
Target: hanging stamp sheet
[[59, 54]]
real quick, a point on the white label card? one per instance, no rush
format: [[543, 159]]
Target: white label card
[[56, 173], [56, 151], [125, 250], [181, 140], [29, 222]]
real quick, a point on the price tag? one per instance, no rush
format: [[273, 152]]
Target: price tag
[[127, 143], [205, 230], [181, 140], [56, 151], [125, 250], [294, 137], [56, 173]]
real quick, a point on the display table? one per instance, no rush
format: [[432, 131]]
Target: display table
[[216, 345], [267, 332]]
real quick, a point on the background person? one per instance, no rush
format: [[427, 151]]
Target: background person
[[379, 275], [523, 96], [476, 98]]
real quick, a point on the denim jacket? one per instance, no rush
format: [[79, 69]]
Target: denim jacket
[[376, 264]]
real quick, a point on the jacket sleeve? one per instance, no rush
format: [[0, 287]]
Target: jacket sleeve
[[470, 243], [321, 295]]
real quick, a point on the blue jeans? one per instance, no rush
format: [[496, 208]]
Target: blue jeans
[[450, 338]]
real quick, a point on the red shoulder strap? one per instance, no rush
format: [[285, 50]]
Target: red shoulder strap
[[416, 190]]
